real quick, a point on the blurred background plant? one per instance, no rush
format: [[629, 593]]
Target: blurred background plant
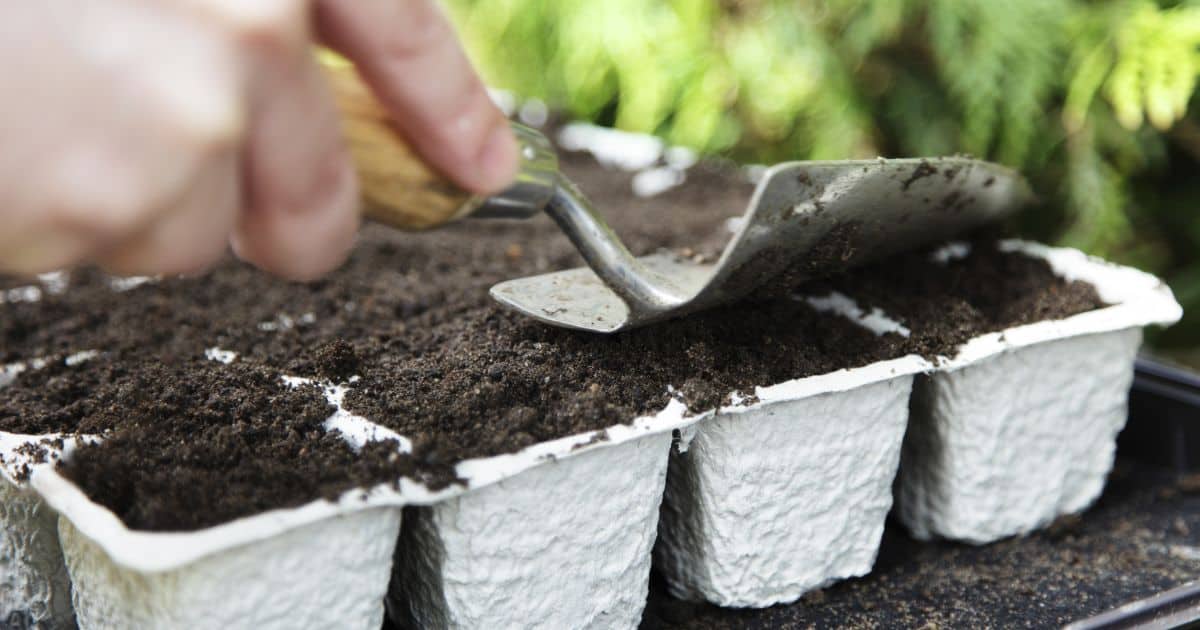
[[1091, 99]]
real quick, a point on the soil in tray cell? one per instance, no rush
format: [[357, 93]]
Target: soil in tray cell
[[945, 304], [199, 443], [493, 382]]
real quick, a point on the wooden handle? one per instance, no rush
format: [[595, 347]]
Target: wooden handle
[[397, 187]]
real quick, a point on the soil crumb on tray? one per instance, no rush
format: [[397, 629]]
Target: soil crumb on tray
[[198, 444], [337, 361]]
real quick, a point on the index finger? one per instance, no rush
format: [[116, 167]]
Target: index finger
[[408, 53]]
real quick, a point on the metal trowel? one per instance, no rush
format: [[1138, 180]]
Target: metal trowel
[[804, 220]]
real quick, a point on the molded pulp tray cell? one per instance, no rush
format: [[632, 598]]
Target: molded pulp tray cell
[[557, 536], [1020, 427], [1007, 445], [35, 590], [563, 545], [771, 501], [321, 565]]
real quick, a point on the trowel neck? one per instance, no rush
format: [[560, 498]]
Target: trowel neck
[[642, 290], [540, 186]]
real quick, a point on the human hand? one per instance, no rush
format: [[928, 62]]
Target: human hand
[[146, 135]]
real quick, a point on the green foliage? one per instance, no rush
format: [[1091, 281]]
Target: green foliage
[[1090, 98]]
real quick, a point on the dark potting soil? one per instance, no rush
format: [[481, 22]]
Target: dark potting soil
[[394, 287], [492, 382], [946, 304], [62, 398], [34, 453], [200, 443], [438, 360]]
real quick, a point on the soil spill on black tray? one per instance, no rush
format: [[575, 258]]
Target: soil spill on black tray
[[1118, 552]]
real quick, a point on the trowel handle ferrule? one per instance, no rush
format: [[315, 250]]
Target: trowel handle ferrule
[[400, 190]]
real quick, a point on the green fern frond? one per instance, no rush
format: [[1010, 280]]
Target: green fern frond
[[1060, 88], [1156, 65], [1096, 197], [999, 60]]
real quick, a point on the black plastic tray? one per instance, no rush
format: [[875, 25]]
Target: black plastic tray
[[1107, 568], [1163, 430], [1164, 417]]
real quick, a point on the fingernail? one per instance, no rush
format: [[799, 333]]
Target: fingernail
[[497, 161]]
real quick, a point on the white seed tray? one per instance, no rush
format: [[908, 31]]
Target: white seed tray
[[764, 501], [1020, 427]]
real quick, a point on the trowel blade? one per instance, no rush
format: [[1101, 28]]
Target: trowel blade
[[805, 220]]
